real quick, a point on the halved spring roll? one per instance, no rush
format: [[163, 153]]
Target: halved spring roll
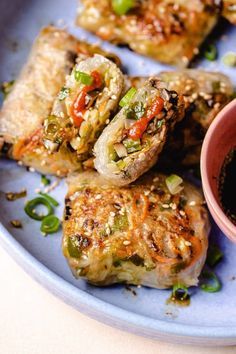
[[32, 96], [84, 107], [139, 234], [130, 145], [205, 93]]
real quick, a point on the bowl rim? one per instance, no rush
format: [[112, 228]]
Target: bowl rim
[[210, 198]]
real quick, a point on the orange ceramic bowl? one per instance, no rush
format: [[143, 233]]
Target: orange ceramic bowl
[[219, 140]]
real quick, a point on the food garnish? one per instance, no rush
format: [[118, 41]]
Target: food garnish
[[50, 224], [127, 97], [214, 255], [30, 208], [50, 199], [11, 196], [210, 282], [174, 184], [45, 181], [121, 7], [16, 223], [211, 52]]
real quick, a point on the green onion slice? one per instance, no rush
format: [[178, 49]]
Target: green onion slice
[[12, 196], [65, 91], [210, 283], [211, 52], [214, 256], [127, 97], [30, 208], [229, 59], [180, 292], [83, 78], [50, 199], [50, 224], [45, 181], [174, 184], [132, 145], [121, 7]]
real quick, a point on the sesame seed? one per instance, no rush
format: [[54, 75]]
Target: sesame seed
[[114, 97], [152, 188], [187, 243], [182, 212], [112, 213], [192, 203], [126, 243], [31, 169], [165, 206], [20, 163], [37, 190], [146, 193], [98, 197]]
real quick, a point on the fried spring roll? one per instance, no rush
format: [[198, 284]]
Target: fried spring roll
[[205, 94], [84, 107], [131, 143], [32, 97], [140, 234], [166, 30]]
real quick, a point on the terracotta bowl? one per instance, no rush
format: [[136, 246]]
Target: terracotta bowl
[[219, 140]]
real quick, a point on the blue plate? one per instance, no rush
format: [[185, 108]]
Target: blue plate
[[211, 318]]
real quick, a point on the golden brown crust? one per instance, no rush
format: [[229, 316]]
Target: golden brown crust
[[139, 234], [168, 31]]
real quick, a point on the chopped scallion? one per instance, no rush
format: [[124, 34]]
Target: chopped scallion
[[121, 7], [180, 292], [127, 97], [50, 224], [132, 145], [229, 59], [45, 181], [174, 184], [209, 282], [83, 78], [211, 52], [11, 196], [65, 91], [49, 199], [214, 256], [30, 208]]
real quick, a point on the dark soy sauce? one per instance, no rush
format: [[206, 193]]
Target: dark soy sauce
[[227, 185]]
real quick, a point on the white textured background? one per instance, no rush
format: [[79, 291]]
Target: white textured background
[[32, 321]]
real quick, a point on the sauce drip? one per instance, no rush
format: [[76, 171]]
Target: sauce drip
[[227, 185]]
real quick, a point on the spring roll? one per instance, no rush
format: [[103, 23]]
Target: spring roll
[[31, 100], [84, 107], [131, 143], [140, 234], [166, 30], [205, 94]]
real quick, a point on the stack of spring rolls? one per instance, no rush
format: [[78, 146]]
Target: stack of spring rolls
[[72, 111]]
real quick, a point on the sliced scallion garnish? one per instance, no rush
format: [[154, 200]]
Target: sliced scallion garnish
[[229, 59], [50, 224], [180, 292], [211, 52], [127, 97], [121, 7], [49, 199], [174, 184], [209, 282], [65, 91], [83, 78], [214, 256], [11, 196], [45, 181], [132, 145], [30, 208]]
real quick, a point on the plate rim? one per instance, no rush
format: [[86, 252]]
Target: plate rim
[[111, 314]]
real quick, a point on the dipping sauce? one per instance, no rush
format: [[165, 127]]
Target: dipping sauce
[[227, 185]]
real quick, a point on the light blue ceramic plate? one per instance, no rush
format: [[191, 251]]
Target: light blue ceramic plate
[[211, 318]]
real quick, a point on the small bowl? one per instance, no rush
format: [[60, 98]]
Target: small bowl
[[219, 140]]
